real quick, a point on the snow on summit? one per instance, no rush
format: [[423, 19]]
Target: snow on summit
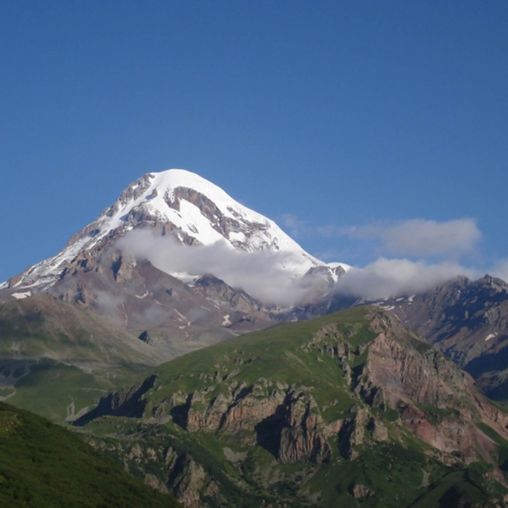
[[185, 205], [162, 191]]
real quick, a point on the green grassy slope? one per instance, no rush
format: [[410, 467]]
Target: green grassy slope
[[56, 359], [44, 327], [44, 465], [273, 354]]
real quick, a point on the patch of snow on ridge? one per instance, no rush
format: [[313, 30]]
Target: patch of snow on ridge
[[383, 306], [22, 295], [46, 272]]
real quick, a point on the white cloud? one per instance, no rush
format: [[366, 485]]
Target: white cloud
[[423, 238], [261, 274], [386, 278]]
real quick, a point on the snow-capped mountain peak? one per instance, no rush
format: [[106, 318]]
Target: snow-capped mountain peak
[[201, 210], [185, 205]]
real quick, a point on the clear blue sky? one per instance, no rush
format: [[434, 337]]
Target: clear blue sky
[[339, 113]]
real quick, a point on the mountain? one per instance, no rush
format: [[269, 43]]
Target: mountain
[[350, 409], [179, 263], [57, 359], [346, 410], [44, 465], [468, 321], [180, 202]]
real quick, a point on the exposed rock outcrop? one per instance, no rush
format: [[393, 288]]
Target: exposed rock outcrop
[[285, 421], [130, 403]]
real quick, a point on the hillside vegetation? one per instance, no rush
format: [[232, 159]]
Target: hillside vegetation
[[44, 465]]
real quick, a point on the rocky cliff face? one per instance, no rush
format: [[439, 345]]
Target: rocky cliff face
[[468, 321], [137, 297], [284, 421], [314, 397], [435, 400], [402, 373]]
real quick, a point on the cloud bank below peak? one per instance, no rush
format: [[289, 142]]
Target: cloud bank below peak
[[416, 255], [262, 274], [402, 257], [390, 278]]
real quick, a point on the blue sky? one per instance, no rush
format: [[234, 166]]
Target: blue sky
[[341, 120]]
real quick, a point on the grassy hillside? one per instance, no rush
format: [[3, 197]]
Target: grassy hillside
[[56, 359], [44, 327], [275, 353], [44, 465], [300, 415]]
